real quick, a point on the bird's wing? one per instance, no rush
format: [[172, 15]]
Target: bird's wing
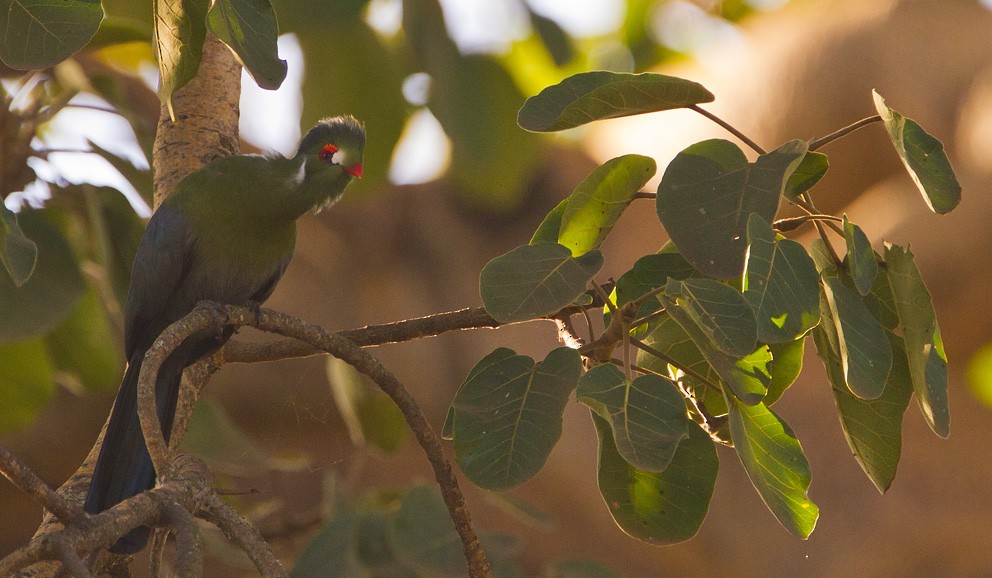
[[162, 259]]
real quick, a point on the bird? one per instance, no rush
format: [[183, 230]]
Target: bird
[[226, 234]]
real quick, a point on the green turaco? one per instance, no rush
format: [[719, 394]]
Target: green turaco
[[226, 234]]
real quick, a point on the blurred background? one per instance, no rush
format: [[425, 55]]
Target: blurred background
[[451, 182]]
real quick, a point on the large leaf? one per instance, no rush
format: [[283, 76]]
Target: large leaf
[[924, 351], [598, 95], [873, 428], [598, 201], [52, 291], [860, 257], [648, 273], [331, 551], [535, 280], [547, 231], [249, 28], [781, 284], [708, 193], [26, 383], [372, 418], [17, 253], [180, 29], [658, 508], [508, 416], [227, 448], [83, 346], [775, 462], [924, 158], [787, 364], [42, 33], [424, 535], [719, 311], [746, 376], [865, 354], [648, 414]]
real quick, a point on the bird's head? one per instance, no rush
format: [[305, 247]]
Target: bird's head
[[333, 151]]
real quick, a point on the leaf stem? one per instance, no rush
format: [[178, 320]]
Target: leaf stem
[[824, 140], [690, 372], [729, 128]]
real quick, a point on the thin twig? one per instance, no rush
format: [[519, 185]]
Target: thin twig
[[824, 140], [729, 128], [28, 482], [239, 531], [686, 370]]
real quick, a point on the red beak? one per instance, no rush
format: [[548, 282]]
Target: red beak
[[355, 171]]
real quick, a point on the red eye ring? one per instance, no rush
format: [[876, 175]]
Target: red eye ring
[[326, 154]]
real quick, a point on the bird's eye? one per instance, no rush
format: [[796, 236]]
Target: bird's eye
[[326, 154]]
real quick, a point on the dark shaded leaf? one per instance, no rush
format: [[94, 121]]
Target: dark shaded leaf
[[140, 179], [648, 273], [372, 418], [597, 95], [865, 354], [555, 40], [809, 172], [50, 294], [180, 29], [42, 33], [708, 193], [775, 462], [919, 329], [535, 280], [873, 428], [648, 414], [331, 551], [26, 383], [424, 536], [719, 311], [249, 28], [781, 284], [658, 508], [924, 159], [83, 346], [860, 257], [508, 416], [599, 200], [226, 447], [18, 253]]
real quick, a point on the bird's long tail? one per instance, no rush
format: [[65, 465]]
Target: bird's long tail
[[124, 468]]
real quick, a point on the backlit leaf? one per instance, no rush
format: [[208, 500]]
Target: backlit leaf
[[809, 172], [658, 508], [372, 418], [865, 354], [600, 94], [180, 29], [648, 414], [924, 158], [860, 257], [775, 462], [786, 365], [719, 311]]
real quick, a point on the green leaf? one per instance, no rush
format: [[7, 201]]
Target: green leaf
[[498, 355], [924, 158], [547, 231], [331, 551], [919, 329], [658, 508], [774, 460], [860, 257], [597, 95], [555, 40], [648, 273], [865, 354], [180, 29], [83, 346], [873, 428], [748, 376], [50, 294], [508, 416], [781, 284], [18, 253], [809, 172], [648, 414], [535, 280], [786, 365], [708, 193], [372, 418], [598, 201], [374, 549], [719, 311], [424, 536], [226, 447], [249, 28], [26, 383], [42, 33]]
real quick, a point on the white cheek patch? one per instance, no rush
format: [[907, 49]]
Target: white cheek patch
[[337, 157]]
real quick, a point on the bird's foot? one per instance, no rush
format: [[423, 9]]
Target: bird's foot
[[256, 308], [218, 311]]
